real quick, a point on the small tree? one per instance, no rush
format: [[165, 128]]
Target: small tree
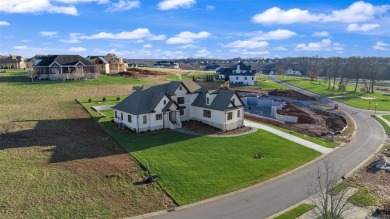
[[330, 204], [32, 73]]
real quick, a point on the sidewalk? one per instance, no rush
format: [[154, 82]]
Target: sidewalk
[[290, 137], [383, 119]]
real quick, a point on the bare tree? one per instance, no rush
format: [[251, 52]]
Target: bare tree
[[315, 64], [335, 65], [372, 73], [329, 203], [32, 73], [359, 65]]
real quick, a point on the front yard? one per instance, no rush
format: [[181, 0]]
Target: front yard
[[193, 168]]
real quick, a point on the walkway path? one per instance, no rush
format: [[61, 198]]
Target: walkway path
[[290, 137]]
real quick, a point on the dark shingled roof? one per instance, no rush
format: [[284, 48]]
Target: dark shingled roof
[[229, 71], [221, 101], [242, 66], [63, 60], [145, 99]]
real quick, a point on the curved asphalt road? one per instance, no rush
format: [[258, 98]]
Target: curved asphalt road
[[278, 194]]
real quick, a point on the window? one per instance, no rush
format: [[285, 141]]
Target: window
[[229, 116], [207, 113], [129, 118], [121, 116], [180, 87], [238, 113], [116, 115], [245, 78], [165, 102], [159, 116], [207, 101], [252, 78], [180, 100], [236, 78], [145, 119], [182, 112]]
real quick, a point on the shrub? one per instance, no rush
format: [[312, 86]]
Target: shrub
[[89, 100], [104, 99], [118, 98]]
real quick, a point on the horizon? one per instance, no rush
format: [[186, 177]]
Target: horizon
[[181, 29]]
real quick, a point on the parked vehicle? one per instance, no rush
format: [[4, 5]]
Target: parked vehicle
[[2, 70]]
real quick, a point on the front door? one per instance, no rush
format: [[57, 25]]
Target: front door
[[172, 116]]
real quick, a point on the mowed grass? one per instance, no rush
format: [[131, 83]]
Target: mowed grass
[[296, 212], [362, 198], [267, 84], [193, 168], [387, 117], [383, 123], [56, 162], [356, 99]]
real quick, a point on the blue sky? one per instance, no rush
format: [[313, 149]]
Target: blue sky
[[195, 28]]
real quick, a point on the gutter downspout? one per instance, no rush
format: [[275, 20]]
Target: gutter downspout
[[137, 123], [225, 121]]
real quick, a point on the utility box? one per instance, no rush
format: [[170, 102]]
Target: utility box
[[336, 106]]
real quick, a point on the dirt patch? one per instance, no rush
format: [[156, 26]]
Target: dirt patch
[[139, 73], [377, 181], [205, 129], [291, 94], [311, 123]]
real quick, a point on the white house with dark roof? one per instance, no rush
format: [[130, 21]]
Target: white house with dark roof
[[238, 74], [168, 105]]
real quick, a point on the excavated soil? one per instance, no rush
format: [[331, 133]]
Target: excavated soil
[[139, 73], [311, 123], [291, 94]]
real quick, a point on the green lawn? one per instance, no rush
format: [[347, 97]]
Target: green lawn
[[177, 77], [193, 168], [267, 84], [387, 117], [362, 198], [359, 99], [384, 124], [296, 212]]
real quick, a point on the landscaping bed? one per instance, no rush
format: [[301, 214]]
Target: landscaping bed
[[204, 129]]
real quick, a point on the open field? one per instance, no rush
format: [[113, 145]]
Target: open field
[[359, 99], [56, 162], [266, 84], [193, 168]]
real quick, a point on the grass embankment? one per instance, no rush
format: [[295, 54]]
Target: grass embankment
[[383, 123], [387, 117], [265, 83], [362, 198], [357, 99], [193, 168], [56, 162], [296, 212]]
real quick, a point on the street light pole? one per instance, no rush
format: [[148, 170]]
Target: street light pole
[[375, 108]]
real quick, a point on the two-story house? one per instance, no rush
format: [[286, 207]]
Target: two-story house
[[153, 107], [237, 74]]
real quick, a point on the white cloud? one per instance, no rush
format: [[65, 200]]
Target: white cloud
[[280, 48], [137, 34], [279, 34], [276, 15], [148, 46], [4, 23], [210, 7], [73, 38], [187, 37], [321, 34], [35, 6], [203, 53], [77, 49], [174, 4], [20, 47], [123, 5], [381, 46], [359, 11], [48, 33], [83, 1], [324, 45], [188, 46], [147, 53], [247, 44], [362, 28]]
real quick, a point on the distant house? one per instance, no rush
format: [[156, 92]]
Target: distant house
[[153, 107], [64, 67], [13, 62], [108, 64], [31, 62], [211, 67], [293, 73], [166, 64], [237, 74]]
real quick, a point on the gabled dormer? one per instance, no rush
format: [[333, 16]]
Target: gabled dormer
[[210, 96]]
